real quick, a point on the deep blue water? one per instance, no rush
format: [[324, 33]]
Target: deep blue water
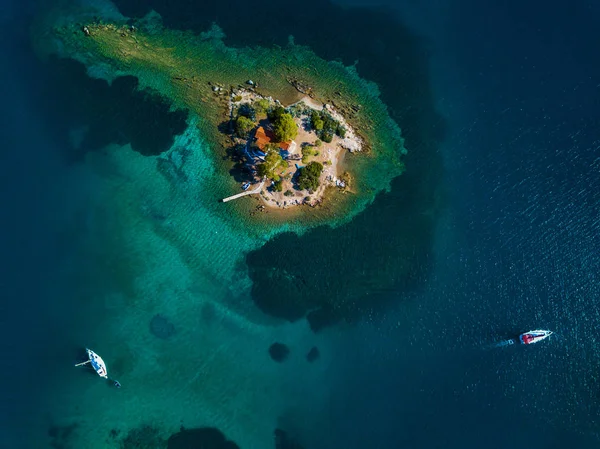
[[37, 303], [516, 248], [42, 302], [519, 247], [28, 161]]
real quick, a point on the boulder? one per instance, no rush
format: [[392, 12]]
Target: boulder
[[279, 352], [161, 327]]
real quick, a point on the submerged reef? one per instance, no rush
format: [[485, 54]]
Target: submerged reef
[[279, 352], [161, 327], [60, 435], [145, 436], [99, 113], [284, 441], [313, 354], [150, 437], [200, 438]]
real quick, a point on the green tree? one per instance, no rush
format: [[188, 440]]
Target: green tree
[[314, 116], [308, 178], [278, 186], [307, 152], [285, 128], [247, 111], [318, 124], [261, 106], [273, 161], [243, 125], [276, 113]]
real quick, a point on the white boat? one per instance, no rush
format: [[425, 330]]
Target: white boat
[[528, 338], [97, 363]]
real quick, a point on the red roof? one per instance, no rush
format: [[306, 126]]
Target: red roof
[[285, 145], [262, 139]]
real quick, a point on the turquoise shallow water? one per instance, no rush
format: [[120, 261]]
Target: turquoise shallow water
[[215, 370]]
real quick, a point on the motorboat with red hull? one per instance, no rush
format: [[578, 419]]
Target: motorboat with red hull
[[528, 338]]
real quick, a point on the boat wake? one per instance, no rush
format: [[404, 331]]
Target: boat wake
[[503, 343]]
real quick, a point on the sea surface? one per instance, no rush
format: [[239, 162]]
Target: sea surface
[[494, 229]]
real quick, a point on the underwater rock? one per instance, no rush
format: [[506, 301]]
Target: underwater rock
[[313, 354], [201, 438], [283, 441], [172, 165], [145, 436], [279, 352], [161, 327], [60, 435]]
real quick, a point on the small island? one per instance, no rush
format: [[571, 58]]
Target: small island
[[289, 155], [283, 126]]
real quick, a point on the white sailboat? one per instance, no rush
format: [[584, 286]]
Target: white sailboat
[[97, 363]]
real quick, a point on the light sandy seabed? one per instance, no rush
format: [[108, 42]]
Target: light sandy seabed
[[216, 370]]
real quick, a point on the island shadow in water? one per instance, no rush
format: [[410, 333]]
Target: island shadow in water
[[351, 271]]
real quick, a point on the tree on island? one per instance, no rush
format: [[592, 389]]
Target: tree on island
[[243, 125], [308, 178], [285, 128], [318, 124], [307, 152], [261, 106], [326, 126], [278, 186], [275, 113], [247, 111], [273, 161], [326, 136]]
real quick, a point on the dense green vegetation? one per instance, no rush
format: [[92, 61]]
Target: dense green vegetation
[[285, 128], [247, 111], [317, 123], [261, 106], [273, 162], [308, 178], [307, 152], [326, 126], [278, 186], [276, 113], [243, 125]]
